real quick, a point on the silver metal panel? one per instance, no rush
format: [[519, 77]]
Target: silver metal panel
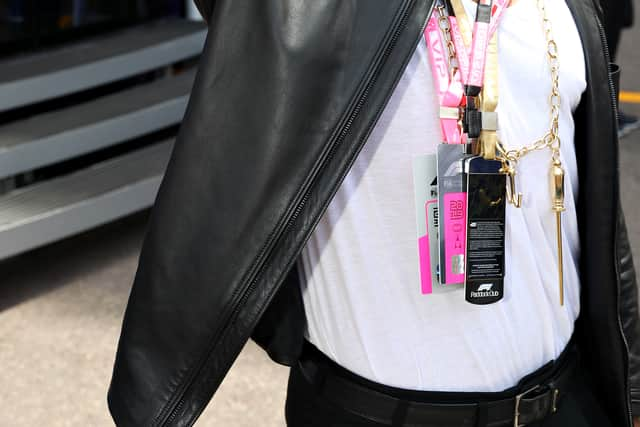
[[46, 212], [52, 137], [29, 79]]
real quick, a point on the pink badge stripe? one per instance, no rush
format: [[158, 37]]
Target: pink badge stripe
[[425, 264], [455, 218]]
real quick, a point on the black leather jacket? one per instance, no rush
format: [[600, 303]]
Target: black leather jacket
[[286, 96]]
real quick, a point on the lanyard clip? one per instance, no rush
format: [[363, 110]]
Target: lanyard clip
[[472, 120]]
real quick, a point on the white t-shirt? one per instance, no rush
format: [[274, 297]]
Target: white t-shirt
[[360, 269]]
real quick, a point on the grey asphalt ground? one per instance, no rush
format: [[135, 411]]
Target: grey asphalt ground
[[60, 312], [61, 308]]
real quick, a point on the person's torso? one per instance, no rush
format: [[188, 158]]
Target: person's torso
[[360, 268]]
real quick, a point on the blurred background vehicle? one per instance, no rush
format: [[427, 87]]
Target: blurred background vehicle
[[35, 23], [91, 93]]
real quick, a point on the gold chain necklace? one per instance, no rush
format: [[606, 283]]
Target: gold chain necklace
[[551, 140]]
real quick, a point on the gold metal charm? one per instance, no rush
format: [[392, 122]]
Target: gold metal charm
[[513, 196], [557, 197]]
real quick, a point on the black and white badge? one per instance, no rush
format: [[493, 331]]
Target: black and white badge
[[486, 207]]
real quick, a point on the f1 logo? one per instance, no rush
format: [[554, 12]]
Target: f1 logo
[[485, 287]]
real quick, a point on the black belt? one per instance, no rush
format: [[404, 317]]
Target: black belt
[[536, 397]]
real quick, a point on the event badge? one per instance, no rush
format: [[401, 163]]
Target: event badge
[[452, 203], [485, 231], [426, 203]]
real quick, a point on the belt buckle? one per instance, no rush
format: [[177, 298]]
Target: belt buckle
[[519, 397]]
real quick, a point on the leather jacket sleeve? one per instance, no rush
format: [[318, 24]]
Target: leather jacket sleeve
[[628, 286], [280, 331], [629, 309], [205, 7]]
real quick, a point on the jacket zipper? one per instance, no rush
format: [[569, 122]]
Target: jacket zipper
[[365, 94], [268, 246], [614, 107], [612, 92]]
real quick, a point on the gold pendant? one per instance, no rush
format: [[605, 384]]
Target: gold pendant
[[557, 182]]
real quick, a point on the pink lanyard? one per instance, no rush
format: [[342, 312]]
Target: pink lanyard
[[452, 83]]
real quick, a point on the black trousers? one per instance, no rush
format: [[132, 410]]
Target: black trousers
[[306, 407]]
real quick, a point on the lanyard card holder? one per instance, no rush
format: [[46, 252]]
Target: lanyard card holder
[[452, 207], [485, 230]]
